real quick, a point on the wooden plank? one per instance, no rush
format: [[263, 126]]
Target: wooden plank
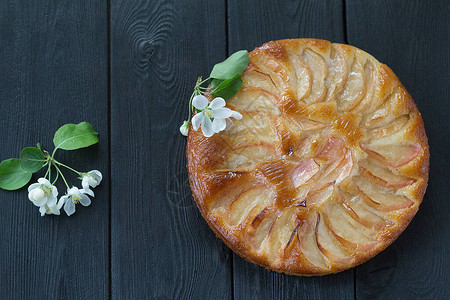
[[161, 246], [54, 71], [412, 38], [252, 23]]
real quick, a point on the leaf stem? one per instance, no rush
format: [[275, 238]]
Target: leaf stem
[[48, 170], [65, 166], [190, 107], [200, 83], [57, 176], [62, 176]]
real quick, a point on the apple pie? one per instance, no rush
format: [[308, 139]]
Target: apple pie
[[327, 166]]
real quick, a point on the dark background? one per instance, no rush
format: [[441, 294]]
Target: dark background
[[128, 67]]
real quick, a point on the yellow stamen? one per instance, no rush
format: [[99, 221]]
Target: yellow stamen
[[76, 199], [208, 113]]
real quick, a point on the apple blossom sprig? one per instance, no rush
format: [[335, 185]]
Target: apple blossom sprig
[[16, 173], [223, 83]]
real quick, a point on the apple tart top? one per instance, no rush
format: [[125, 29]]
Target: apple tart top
[[327, 166]]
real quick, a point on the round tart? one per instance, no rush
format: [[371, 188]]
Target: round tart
[[326, 168]]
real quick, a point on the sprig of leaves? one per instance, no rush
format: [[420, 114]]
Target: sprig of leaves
[[16, 173], [224, 81]]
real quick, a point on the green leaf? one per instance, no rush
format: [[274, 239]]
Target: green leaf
[[32, 159], [12, 176], [228, 88], [75, 136], [215, 83], [235, 64]]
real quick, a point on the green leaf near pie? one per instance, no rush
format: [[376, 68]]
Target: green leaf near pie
[[75, 136], [228, 88], [235, 64]]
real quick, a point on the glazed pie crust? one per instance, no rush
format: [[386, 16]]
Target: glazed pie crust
[[325, 170]]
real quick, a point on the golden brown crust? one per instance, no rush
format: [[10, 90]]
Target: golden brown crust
[[325, 170]]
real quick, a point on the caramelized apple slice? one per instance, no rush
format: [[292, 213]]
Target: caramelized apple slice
[[332, 150], [338, 73], [247, 157], [308, 242], [354, 89], [337, 171], [263, 223], [258, 79], [281, 232], [229, 188], [384, 113], [253, 129], [306, 124], [279, 71], [254, 99], [318, 196], [256, 197], [304, 171], [346, 230], [303, 74], [319, 73], [328, 244], [390, 128], [381, 175], [293, 240], [361, 212], [381, 198], [392, 155]]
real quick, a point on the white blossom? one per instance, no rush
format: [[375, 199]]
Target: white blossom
[[91, 179], [212, 116], [184, 128], [75, 196], [44, 195]]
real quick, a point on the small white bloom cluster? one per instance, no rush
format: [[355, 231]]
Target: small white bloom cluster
[[44, 195], [212, 116]]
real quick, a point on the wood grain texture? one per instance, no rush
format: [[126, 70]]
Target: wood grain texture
[[53, 70], [161, 246], [252, 23], [412, 37]]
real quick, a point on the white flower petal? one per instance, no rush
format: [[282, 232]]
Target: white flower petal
[[217, 103], [37, 197], [53, 210], [200, 102], [229, 124], [85, 182], [44, 182], [184, 129], [33, 186], [236, 115], [218, 125], [85, 201], [207, 128], [88, 192], [54, 191], [51, 201], [222, 113], [97, 175], [62, 201], [69, 207], [73, 191], [197, 120], [42, 210]]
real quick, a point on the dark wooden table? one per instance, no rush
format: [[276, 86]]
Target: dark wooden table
[[128, 67]]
